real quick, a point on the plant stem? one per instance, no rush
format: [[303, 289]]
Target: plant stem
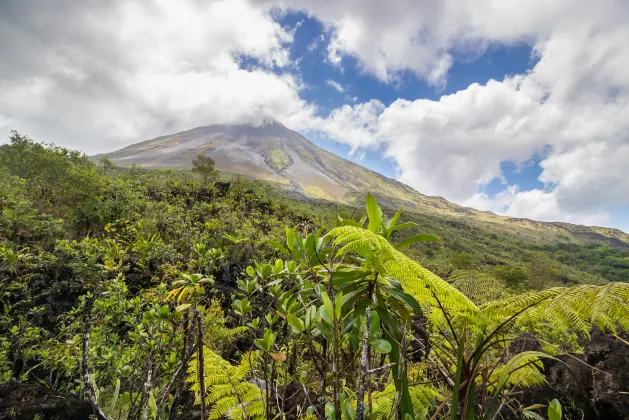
[[360, 408], [201, 367], [188, 336], [87, 383], [147, 387]]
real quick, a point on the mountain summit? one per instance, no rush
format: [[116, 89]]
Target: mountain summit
[[275, 153]]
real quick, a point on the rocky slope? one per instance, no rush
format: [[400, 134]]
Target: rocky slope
[[274, 153]]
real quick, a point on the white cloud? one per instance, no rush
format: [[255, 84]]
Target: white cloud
[[101, 75], [572, 108], [534, 204], [335, 85]]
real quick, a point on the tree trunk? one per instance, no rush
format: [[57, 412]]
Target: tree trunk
[[188, 337], [360, 407], [201, 368]]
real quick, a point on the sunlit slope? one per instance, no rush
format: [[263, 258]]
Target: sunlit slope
[[274, 153]]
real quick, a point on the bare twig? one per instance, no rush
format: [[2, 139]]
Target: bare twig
[[87, 383]]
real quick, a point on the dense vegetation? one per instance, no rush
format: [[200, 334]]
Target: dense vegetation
[[130, 287]]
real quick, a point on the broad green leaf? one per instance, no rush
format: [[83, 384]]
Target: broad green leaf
[[278, 246], [152, 405], [296, 324], [114, 399], [265, 270], [182, 307], [381, 346], [375, 214], [326, 330], [349, 413], [422, 237], [375, 326], [554, 410], [341, 277], [409, 299], [329, 306], [392, 222], [339, 305], [324, 315], [402, 226], [348, 222], [532, 415], [290, 238]]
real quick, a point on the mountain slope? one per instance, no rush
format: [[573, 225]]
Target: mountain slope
[[274, 153]]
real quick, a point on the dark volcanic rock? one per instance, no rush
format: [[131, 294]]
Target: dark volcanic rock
[[20, 401], [594, 385]]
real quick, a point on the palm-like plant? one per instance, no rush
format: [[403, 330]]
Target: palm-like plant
[[188, 287], [367, 285]]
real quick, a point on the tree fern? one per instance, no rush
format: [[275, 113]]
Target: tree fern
[[424, 398], [228, 391], [432, 292], [577, 307], [478, 286]]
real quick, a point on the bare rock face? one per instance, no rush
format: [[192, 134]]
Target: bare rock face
[[19, 401], [594, 385]]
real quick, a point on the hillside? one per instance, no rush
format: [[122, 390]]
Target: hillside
[[272, 152]]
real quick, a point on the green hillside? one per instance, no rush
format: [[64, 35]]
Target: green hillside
[[273, 153]]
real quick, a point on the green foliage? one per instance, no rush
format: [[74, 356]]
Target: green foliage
[[254, 301], [514, 276], [229, 392], [204, 166]]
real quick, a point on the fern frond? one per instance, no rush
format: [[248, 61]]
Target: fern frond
[[479, 287], [429, 290], [424, 397], [576, 308], [228, 390]]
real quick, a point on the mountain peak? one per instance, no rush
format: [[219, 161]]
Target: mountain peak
[[271, 152], [268, 151]]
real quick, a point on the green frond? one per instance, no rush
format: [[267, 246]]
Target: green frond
[[479, 287], [228, 391], [522, 370], [576, 308], [429, 290], [424, 397]]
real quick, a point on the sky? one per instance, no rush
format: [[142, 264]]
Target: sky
[[517, 107]]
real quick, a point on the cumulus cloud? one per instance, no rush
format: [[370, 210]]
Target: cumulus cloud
[[101, 74], [571, 108]]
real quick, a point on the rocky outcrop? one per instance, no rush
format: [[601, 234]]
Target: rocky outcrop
[[19, 401], [590, 386]]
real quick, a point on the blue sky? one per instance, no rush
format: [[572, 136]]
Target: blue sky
[[503, 106], [309, 50]]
